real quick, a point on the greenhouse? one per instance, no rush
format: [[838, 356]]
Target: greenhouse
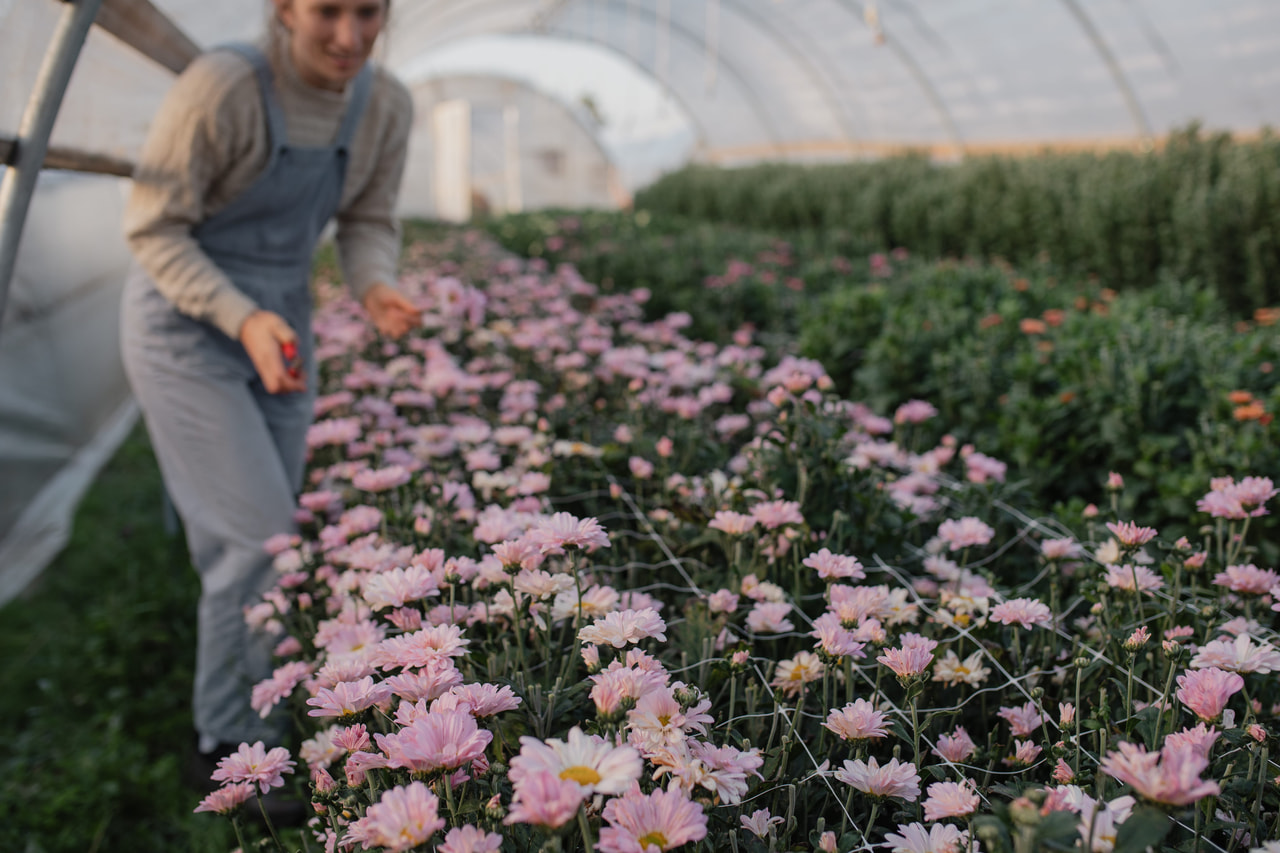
[[619, 425]]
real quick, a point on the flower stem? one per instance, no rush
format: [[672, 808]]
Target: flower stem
[[266, 818], [583, 825]]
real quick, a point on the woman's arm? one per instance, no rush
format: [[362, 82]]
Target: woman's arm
[[201, 149], [368, 234]]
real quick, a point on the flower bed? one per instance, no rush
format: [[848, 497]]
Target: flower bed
[[569, 579]]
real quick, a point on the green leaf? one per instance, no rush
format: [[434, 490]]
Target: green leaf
[[1146, 827]]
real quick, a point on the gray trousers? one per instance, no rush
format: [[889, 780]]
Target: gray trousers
[[232, 457]]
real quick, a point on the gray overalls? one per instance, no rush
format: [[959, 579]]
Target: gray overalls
[[231, 454]]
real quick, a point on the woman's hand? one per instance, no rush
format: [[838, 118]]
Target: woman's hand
[[391, 311], [263, 336]]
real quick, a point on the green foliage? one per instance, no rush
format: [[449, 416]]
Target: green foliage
[[1064, 382], [1203, 207], [685, 265], [96, 662]]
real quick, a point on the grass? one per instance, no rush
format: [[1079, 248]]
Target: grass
[[96, 661]]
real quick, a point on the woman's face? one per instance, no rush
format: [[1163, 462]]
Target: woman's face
[[330, 40]]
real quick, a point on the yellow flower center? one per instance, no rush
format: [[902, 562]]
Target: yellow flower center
[[655, 838], [962, 619], [581, 774], [962, 670]]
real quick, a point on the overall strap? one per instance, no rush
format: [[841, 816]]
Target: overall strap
[[275, 116], [355, 107]]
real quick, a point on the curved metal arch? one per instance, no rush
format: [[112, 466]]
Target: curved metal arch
[[771, 34], [858, 10], [748, 94], [699, 129], [691, 37], [1117, 73]]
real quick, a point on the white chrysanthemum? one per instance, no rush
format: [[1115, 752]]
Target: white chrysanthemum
[[585, 759]]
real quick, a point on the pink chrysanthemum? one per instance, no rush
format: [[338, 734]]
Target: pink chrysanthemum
[[255, 764], [760, 822], [1060, 549], [833, 566], [404, 818], [907, 662], [1134, 578], [955, 747], [621, 629], [733, 523], [395, 587], [348, 697], [834, 639], [1206, 691], [381, 479], [1022, 719], [639, 823], [775, 514], [269, 692], [950, 799], [435, 741], [412, 651], [769, 617], [914, 838], [1170, 776], [1247, 579], [895, 779], [562, 530], [1026, 612], [543, 798], [1130, 535], [914, 412], [793, 674], [966, 532], [485, 700], [1238, 655], [470, 839], [857, 721], [226, 799]]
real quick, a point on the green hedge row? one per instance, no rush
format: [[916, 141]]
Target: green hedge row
[[1204, 207]]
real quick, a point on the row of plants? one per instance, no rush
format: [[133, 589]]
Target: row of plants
[[567, 579], [1201, 207], [1064, 378], [752, 276]]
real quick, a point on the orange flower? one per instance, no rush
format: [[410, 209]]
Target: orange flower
[[1054, 316], [1266, 316], [1251, 412], [1101, 309], [1021, 285], [1066, 397], [1107, 294], [1243, 326], [1082, 302], [989, 321], [1044, 346], [1032, 326], [1240, 397]]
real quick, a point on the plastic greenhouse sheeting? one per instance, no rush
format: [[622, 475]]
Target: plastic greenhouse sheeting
[[756, 79]]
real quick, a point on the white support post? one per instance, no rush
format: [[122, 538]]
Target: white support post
[[511, 152], [19, 182]]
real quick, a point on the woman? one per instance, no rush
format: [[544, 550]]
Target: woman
[[252, 152]]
